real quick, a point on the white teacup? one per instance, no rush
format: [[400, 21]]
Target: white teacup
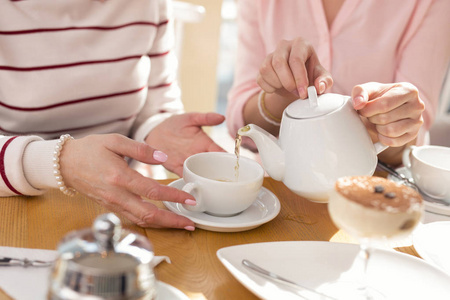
[[430, 168], [212, 179]]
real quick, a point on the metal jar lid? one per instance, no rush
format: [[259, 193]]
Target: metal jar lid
[[104, 262]]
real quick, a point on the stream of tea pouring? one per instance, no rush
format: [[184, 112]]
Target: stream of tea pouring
[[237, 147]]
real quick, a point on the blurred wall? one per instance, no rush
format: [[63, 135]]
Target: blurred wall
[[199, 59]]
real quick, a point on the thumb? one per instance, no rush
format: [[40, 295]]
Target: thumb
[[363, 93]]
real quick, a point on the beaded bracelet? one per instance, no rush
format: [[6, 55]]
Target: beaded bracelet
[[56, 167], [265, 113]]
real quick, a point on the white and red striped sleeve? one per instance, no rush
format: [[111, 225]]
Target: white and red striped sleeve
[[26, 165], [164, 95]]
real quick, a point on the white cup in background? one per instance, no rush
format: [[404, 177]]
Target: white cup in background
[[211, 178], [430, 169]]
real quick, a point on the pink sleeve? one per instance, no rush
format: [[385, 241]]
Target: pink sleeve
[[250, 54], [424, 56]]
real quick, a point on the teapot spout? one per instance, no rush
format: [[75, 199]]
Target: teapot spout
[[271, 154]]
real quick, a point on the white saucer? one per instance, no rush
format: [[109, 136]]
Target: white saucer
[[433, 207], [264, 209], [317, 264], [432, 243], [168, 292]]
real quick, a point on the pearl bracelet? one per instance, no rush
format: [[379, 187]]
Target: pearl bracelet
[[56, 167]]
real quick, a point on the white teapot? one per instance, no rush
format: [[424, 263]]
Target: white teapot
[[321, 139]]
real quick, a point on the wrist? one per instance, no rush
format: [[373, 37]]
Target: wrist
[[59, 147], [271, 106]]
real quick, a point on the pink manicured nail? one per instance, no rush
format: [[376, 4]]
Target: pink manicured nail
[[322, 87], [190, 228], [159, 156], [190, 202], [357, 101]]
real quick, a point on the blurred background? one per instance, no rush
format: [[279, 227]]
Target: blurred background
[[206, 41]]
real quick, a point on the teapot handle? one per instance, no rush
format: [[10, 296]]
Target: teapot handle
[[379, 147]]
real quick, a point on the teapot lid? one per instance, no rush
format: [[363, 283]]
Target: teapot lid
[[314, 106]]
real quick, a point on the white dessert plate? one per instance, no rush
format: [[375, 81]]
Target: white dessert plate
[[168, 292], [432, 243], [433, 207], [315, 264], [264, 209]]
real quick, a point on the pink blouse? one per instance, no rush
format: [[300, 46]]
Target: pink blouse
[[372, 40]]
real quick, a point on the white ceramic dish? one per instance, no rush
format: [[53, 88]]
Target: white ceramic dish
[[432, 243], [168, 292], [314, 264], [433, 207], [264, 209]]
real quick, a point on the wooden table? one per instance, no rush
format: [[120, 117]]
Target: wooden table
[[41, 222]]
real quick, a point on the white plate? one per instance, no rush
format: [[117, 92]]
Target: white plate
[[433, 207], [314, 264], [432, 243], [264, 209], [168, 292]]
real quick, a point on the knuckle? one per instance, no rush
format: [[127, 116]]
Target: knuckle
[[265, 68], [153, 192], [114, 178], [141, 149], [278, 62], [115, 138], [109, 200], [386, 130], [147, 219], [295, 60]]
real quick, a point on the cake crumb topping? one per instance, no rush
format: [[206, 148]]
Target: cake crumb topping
[[379, 193]]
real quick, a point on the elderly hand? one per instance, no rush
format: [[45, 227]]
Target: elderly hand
[[393, 110], [291, 68], [181, 136], [95, 166]]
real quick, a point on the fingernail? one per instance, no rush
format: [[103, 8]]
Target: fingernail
[[357, 101], [190, 228], [322, 87], [159, 156], [190, 202], [295, 92], [302, 92]]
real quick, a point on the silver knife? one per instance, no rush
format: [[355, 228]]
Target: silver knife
[[24, 262], [278, 278]]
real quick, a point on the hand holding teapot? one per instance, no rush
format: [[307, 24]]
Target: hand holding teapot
[[321, 139]]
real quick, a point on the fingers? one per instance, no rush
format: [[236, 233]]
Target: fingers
[[323, 79], [268, 78], [144, 213], [292, 67], [139, 151], [147, 188], [394, 109], [203, 119], [399, 133], [362, 93]]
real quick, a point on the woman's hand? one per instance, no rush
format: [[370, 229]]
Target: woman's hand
[[393, 110], [95, 166], [291, 68], [181, 136]]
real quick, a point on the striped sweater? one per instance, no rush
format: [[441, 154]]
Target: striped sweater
[[79, 67]]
